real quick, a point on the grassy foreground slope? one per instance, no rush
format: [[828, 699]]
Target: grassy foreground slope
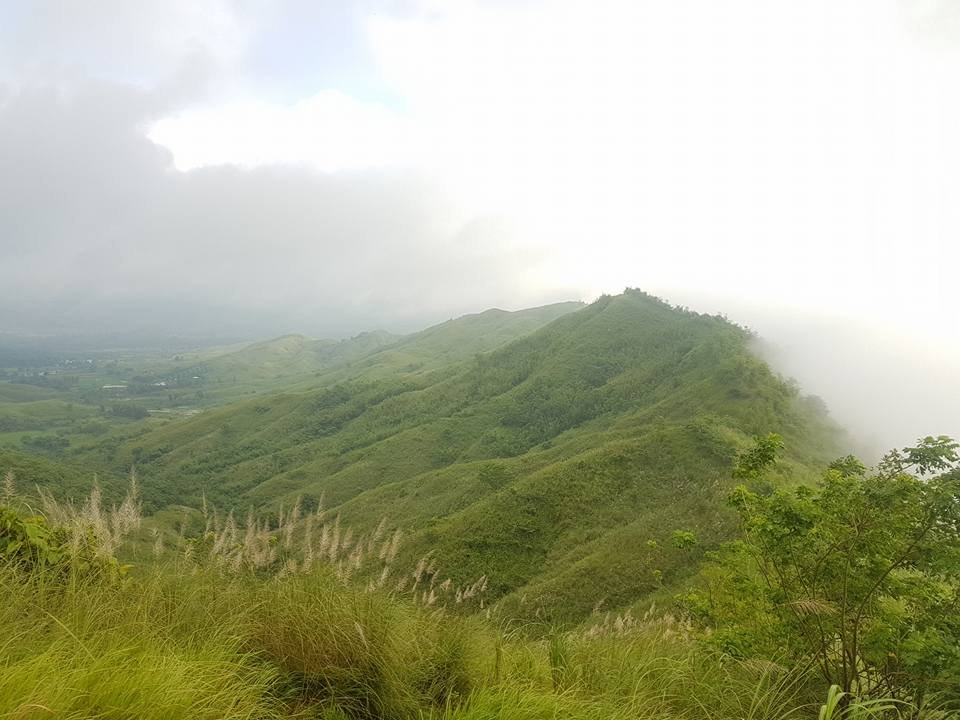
[[196, 642], [258, 620], [559, 465]]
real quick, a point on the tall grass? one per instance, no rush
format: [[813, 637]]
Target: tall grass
[[217, 632], [183, 641], [152, 649]]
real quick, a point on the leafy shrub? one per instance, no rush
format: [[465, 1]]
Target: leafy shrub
[[858, 576], [29, 543]]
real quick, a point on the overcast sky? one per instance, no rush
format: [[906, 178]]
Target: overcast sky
[[252, 167]]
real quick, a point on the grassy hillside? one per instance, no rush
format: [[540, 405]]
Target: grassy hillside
[[559, 465], [29, 471], [439, 346], [296, 361], [58, 408], [16, 393], [282, 361]]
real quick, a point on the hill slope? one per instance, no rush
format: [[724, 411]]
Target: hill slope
[[298, 362], [291, 355], [558, 465]]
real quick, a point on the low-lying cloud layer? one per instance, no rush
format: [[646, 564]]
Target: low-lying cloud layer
[[101, 232]]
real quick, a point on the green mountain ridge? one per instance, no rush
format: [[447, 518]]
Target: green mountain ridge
[[290, 356], [557, 464], [297, 362]]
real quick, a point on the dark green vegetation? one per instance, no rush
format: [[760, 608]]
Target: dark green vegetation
[[859, 576], [468, 522]]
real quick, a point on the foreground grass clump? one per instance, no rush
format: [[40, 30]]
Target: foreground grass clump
[[181, 641], [187, 643], [178, 641], [360, 651], [151, 649]]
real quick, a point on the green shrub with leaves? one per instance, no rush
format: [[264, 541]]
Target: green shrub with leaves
[[29, 542], [858, 576]]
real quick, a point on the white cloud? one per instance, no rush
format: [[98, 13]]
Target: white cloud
[[703, 144], [799, 152], [137, 41], [329, 131]]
